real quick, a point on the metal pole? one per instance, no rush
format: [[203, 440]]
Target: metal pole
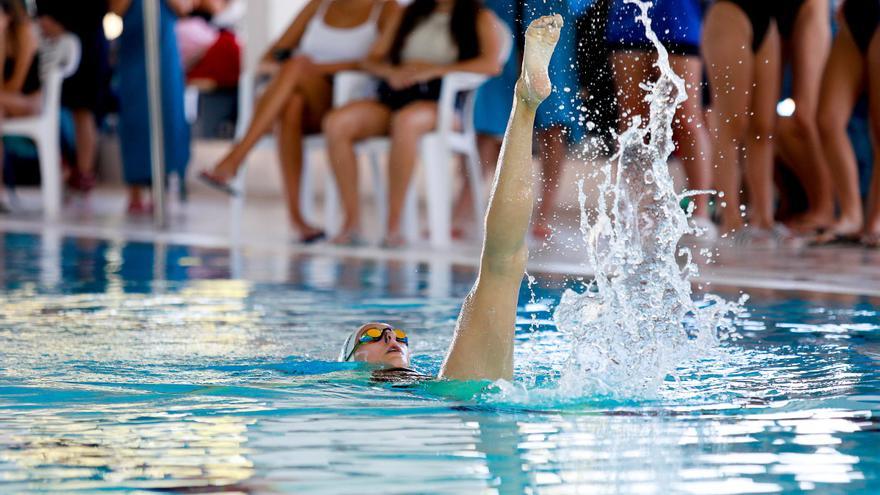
[[154, 93]]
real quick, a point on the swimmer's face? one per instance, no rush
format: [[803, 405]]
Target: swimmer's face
[[386, 351]]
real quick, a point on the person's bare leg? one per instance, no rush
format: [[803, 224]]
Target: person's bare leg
[[727, 39], [86, 140], [871, 229], [343, 127], [689, 131], [482, 348], [305, 109], [290, 151], [268, 109], [631, 69], [552, 147], [759, 142], [408, 125], [810, 44], [842, 83]]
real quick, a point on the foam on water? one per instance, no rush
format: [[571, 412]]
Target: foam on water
[[638, 322]]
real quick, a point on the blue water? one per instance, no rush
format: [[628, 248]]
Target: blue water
[[149, 367]]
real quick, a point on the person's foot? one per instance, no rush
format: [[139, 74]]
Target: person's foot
[[870, 240], [393, 241], [843, 230], [541, 37], [810, 222], [138, 207], [542, 232], [310, 235], [217, 181], [347, 237]]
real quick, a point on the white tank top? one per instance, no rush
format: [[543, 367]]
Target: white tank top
[[327, 44], [431, 41]]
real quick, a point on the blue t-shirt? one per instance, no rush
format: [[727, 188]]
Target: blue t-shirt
[[675, 22]]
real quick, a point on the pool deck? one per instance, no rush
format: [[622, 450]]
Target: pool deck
[[204, 221]]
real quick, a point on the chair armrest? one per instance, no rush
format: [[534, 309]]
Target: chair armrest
[[455, 83], [352, 85]]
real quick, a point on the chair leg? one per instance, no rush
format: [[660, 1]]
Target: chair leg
[[236, 203], [438, 178], [49, 151], [380, 184], [478, 191]]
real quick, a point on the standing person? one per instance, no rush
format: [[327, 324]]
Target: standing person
[[327, 36], [20, 91], [853, 67], [134, 107], [430, 39], [85, 92], [742, 55], [677, 23], [805, 30]]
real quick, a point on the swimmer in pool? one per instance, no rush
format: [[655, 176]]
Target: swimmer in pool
[[482, 347]]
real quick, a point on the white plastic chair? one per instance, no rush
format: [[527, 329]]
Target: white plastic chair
[[59, 59]]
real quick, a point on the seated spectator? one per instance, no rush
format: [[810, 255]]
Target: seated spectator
[[327, 36], [677, 24], [853, 67], [430, 39], [20, 91], [134, 102], [85, 93]]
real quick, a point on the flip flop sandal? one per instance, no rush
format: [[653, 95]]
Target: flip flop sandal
[[313, 238], [210, 180]]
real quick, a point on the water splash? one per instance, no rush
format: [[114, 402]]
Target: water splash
[[638, 322]]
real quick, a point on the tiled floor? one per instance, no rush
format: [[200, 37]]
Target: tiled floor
[[204, 220]]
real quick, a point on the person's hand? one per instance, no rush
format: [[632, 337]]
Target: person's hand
[[420, 72], [397, 79]]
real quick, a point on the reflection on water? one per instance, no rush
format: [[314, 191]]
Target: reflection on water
[[135, 366]]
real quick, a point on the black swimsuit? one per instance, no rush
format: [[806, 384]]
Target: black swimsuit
[[862, 17], [761, 12]]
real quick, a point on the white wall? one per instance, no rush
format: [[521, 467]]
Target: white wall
[[264, 21]]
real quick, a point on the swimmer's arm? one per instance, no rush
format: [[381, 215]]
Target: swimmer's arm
[[482, 347]]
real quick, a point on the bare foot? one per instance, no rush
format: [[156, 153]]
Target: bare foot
[[810, 222], [541, 38], [346, 237], [841, 230]]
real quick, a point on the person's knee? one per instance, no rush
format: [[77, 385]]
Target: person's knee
[[732, 127], [413, 120], [830, 122], [338, 125]]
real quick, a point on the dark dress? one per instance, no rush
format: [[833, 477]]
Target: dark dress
[[89, 87]]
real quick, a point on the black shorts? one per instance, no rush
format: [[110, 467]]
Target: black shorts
[[395, 99], [862, 17]]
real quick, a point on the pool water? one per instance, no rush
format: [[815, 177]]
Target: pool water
[[150, 367]]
